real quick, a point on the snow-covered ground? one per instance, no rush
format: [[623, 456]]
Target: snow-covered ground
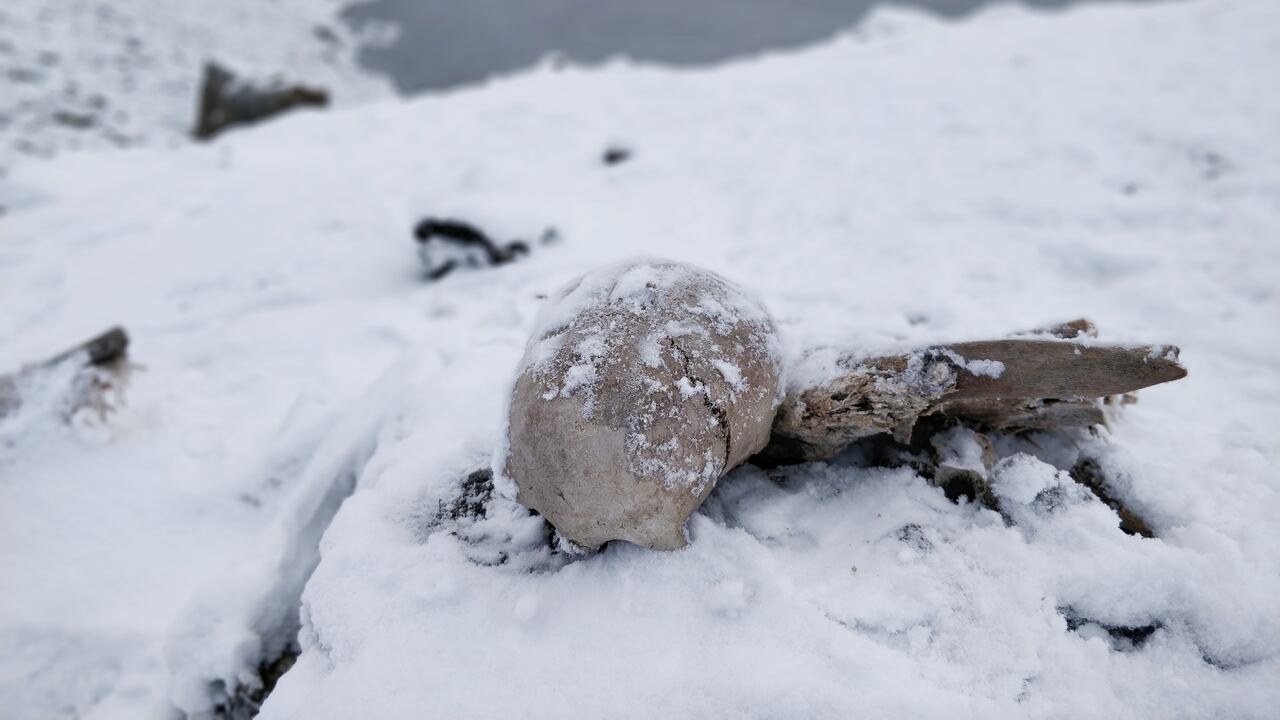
[[910, 183], [85, 74]]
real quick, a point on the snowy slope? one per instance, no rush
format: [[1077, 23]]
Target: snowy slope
[[87, 74], [912, 183]]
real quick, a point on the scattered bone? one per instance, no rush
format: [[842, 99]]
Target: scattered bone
[[226, 101], [446, 245], [99, 365], [644, 384], [1002, 384]]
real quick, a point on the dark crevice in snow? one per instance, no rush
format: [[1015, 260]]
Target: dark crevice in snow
[[246, 701], [964, 486], [1088, 472], [1124, 638], [262, 598], [1134, 637], [884, 450]]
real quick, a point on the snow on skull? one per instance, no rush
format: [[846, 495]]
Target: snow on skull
[[642, 385]]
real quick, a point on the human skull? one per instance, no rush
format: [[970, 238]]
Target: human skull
[[644, 383]]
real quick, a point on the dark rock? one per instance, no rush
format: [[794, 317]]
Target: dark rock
[[473, 502], [226, 101], [615, 155], [1124, 638]]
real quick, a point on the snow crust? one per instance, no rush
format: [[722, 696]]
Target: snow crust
[[911, 184]]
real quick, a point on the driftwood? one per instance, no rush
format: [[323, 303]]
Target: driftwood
[[1013, 384], [226, 101], [105, 351]]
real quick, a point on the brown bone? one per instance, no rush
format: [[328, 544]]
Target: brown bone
[[1043, 384], [1063, 370]]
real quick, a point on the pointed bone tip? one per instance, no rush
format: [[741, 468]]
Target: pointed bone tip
[[1166, 360]]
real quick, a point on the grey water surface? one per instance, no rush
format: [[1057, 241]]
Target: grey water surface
[[447, 43]]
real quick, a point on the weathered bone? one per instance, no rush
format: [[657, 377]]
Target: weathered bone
[[645, 383], [1003, 384], [1026, 414], [1061, 370], [105, 350], [226, 101]]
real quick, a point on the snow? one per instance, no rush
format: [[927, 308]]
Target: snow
[[305, 401], [979, 367], [731, 373], [960, 447], [91, 74]]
